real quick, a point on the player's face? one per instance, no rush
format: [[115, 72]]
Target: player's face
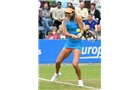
[[69, 15]]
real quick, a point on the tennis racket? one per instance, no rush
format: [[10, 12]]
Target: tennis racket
[[90, 35]]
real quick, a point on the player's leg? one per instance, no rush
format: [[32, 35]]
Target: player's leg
[[76, 67], [63, 54]]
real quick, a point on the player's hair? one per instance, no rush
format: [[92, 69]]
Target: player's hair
[[73, 17]]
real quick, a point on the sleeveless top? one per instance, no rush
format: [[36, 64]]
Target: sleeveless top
[[72, 26]]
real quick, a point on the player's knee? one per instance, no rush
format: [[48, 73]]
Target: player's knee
[[58, 61], [75, 64]]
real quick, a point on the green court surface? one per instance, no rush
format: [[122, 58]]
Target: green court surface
[[91, 76]]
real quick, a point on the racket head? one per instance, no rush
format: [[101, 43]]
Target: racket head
[[90, 35]]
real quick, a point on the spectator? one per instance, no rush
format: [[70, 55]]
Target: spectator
[[60, 33], [46, 16], [52, 34], [92, 23], [95, 12], [63, 3], [87, 27], [75, 3], [69, 4], [98, 4], [81, 11], [58, 15], [87, 4], [39, 9]]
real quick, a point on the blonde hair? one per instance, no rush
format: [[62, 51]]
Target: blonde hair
[[52, 30]]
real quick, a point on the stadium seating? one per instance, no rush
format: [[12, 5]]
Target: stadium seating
[[43, 31]]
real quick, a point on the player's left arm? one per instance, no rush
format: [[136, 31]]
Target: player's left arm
[[81, 26]]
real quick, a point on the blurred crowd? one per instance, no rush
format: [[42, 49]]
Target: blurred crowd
[[52, 12]]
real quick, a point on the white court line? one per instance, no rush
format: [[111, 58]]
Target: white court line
[[92, 88]]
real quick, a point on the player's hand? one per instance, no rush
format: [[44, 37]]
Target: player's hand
[[79, 35], [74, 36]]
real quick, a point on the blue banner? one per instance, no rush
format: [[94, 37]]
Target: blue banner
[[50, 49]]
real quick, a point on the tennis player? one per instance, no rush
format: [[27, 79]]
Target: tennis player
[[74, 43]]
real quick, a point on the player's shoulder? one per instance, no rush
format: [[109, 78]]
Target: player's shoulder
[[78, 17], [65, 18]]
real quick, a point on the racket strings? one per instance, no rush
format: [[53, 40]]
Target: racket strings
[[90, 35]]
